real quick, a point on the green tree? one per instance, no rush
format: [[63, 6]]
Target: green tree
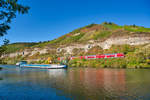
[[2, 49], [6, 41], [8, 11]]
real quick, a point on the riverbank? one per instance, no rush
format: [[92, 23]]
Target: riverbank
[[135, 57], [110, 63]]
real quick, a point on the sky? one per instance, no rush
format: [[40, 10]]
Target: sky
[[50, 19]]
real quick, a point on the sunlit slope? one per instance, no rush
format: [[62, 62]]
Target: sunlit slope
[[97, 32], [92, 32], [18, 46]]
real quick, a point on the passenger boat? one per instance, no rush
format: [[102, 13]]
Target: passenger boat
[[46, 66]]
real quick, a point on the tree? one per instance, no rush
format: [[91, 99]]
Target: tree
[[8, 11], [2, 49], [134, 25], [6, 41]]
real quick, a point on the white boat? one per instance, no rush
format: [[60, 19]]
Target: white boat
[[47, 66]]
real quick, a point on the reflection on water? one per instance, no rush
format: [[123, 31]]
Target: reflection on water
[[74, 84]]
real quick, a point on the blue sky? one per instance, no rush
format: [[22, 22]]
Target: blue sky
[[49, 19]]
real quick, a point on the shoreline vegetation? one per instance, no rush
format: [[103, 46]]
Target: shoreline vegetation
[[135, 57], [111, 63]]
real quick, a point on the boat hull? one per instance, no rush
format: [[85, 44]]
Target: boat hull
[[50, 66]]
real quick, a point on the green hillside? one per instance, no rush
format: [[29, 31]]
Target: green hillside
[[135, 56], [84, 34], [96, 32], [18, 46]]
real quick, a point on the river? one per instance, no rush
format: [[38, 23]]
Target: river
[[74, 84]]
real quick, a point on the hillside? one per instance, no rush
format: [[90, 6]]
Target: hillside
[[93, 32], [18, 46], [92, 39], [96, 32]]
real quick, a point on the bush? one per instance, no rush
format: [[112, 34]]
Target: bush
[[99, 63], [1, 68]]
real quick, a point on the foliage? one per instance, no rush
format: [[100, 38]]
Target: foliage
[[2, 49], [121, 49], [18, 46], [134, 28], [134, 58], [8, 10], [6, 41], [99, 63], [102, 35], [111, 26], [94, 50]]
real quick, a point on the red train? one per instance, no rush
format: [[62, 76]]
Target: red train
[[115, 55]]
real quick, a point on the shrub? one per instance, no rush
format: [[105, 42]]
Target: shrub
[[1, 68]]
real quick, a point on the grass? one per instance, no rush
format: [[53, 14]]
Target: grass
[[72, 39], [112, 26], [102, 35], [136, 29], [18, 46]]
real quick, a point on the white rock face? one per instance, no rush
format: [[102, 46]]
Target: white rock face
[[111, 41], [27, 52], [105, 45], [124, 40], [76, 34]]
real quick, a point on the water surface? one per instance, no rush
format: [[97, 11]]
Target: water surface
[[74, 84]]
